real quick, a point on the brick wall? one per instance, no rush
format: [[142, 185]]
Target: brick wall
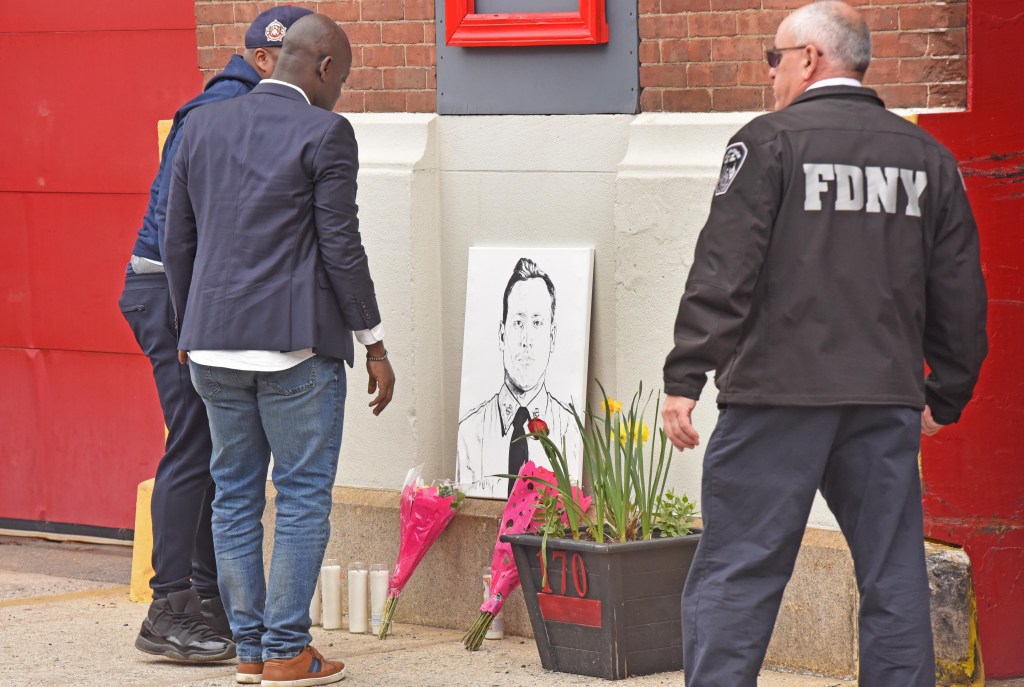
[[392, 46], [695, 55], [708, 55]]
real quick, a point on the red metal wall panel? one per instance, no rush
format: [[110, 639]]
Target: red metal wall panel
[[15, 292], [79, 416], [109, 15], [81, 430], [973, 480], [65, 270], [91, 130]]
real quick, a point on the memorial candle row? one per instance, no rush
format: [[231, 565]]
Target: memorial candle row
[[367, 592]]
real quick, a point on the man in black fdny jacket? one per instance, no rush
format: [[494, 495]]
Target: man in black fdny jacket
[[840, 254]]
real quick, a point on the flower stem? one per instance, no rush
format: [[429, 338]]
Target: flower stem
[[475, 637], [389, 613]]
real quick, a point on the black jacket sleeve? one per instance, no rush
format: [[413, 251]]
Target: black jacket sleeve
[[955, 342], [727, 262]]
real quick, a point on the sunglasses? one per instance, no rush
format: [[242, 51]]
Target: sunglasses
[[774, 55]]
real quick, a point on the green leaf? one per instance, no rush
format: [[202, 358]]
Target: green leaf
[[675, 514]]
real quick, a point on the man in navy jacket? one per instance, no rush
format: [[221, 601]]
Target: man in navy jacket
[[186, 620], [270, 281]]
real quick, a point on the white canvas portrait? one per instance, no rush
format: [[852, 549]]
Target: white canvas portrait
[[524, 355]]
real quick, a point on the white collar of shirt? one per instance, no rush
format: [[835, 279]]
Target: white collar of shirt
[[835, 81], [291, 85], [508, 405]]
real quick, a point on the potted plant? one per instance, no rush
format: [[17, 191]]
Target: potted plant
[[603, 585]]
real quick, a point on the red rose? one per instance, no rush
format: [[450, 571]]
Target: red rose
[[537, 426]]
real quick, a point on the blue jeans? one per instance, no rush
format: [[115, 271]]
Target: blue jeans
[[297, 414]]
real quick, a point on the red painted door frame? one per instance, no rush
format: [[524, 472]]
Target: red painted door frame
[[974, 471], [465, 28]]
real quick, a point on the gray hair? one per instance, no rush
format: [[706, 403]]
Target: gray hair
[[837, 30]]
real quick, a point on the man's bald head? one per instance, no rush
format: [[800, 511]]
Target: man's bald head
[[316, 56]]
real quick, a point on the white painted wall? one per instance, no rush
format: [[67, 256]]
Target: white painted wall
[[636, 188], [399, 206]]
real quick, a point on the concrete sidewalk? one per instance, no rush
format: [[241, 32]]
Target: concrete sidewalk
[[65, 619]]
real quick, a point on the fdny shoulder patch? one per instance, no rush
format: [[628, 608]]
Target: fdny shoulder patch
[[735, 155], [275, 31]]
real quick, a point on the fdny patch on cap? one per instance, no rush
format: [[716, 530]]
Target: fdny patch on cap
[[735, 155], [267, 30], [275, 31]]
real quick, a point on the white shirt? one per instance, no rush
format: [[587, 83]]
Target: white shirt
[[289, 85], [485, 434], [834, 81], [273, 361]]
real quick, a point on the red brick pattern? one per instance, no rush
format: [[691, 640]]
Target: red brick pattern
[[708, 55], [695, 55], [392, 44]]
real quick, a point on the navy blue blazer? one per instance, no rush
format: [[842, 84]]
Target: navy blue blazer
[[262, 248]]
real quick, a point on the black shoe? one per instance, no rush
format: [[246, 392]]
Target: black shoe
[[214, 615], [175, 628]]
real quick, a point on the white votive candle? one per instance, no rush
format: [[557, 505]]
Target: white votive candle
[[330, 593], [316, 605], [380, 576], [358, 601]]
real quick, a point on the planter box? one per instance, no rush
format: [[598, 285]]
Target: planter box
[[610, 610]]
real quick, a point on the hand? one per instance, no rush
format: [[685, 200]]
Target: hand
[[183, 357], [675, 414], [929, 427], [382, 378]]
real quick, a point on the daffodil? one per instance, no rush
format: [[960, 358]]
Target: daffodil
[[610, 405], [640, 433]]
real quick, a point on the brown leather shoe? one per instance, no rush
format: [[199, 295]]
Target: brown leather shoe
[[305, 670], [249, 673]]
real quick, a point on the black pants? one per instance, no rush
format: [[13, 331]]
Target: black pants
[[183, 491], [761, 470]]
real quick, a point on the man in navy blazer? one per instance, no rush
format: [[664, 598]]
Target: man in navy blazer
[[184, 582], [269, 281]]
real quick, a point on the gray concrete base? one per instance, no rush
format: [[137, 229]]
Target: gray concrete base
[[816, 631], [954, 616], [447, 588]]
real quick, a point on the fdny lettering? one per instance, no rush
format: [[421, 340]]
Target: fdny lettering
[[869, 188]]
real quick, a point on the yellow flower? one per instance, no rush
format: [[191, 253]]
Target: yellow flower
[[610, 405], [640, 434]]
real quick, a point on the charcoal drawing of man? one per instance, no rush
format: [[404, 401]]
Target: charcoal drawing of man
[[489, 435]]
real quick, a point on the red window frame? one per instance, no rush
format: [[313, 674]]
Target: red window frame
[[465, 28]]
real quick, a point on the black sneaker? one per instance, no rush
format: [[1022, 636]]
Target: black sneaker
[[175, 628], [214, 615]]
